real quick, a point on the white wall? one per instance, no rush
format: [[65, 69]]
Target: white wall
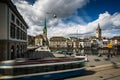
[[3, 21]]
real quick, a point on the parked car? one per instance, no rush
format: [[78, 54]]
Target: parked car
[[69, 52], [60, 51]]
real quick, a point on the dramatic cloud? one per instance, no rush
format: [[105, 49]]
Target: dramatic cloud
[[110, 25], [34, 15]]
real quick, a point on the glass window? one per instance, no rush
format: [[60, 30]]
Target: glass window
[[20, 71], [24, 36], [12, 30], [21, 34], [13, 17], [18, 33], [6, 72], [17, 22], [67, 66], [21, 25], [59, 67], [76, 65]]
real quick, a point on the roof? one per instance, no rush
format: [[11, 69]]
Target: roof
[[39, 36], [58, 38], [116, 38], [29, 36]]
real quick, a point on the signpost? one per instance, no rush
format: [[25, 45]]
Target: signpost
[[109, 50], [109, 45]]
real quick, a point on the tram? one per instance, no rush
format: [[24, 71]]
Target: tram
[[44, 69]]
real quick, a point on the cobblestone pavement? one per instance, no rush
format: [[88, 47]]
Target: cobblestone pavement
[[100, 68], [94, 60], [109, 74]]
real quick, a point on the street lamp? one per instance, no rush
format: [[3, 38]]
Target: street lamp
[[54, 16]]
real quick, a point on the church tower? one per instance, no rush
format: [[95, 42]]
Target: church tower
[[45, 39], [98, 32]]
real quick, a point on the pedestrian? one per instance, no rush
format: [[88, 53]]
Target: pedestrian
[[108, 55], [109, 50], [86, 57], [99, 55]]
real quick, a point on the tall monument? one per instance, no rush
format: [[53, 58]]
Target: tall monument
[[98, 32]]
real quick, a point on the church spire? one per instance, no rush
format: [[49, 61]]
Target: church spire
[[98, 26], [45, 25], [45, 43], [98, 32]]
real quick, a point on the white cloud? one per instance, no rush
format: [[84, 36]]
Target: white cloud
[[34, 15], [109, 25]]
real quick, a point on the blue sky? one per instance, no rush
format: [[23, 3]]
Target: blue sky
[[95, 7], [92, 10], [79, 17]]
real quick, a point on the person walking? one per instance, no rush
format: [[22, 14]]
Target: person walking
[[108, 55], [109, 51]]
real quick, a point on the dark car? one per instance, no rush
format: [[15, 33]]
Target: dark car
[[69, 52]]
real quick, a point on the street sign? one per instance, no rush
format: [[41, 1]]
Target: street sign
[[109, 45]]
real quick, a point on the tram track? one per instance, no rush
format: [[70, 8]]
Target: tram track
[[112, 77], [104, 67]]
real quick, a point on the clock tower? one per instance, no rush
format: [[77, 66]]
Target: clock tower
[[98, 32]]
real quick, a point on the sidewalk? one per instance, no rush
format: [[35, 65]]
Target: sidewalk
[[102, 63], [99, 63], [99, 68], [96, 61], [109, 74]]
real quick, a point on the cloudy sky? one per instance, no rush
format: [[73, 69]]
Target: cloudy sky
[[75, 18]]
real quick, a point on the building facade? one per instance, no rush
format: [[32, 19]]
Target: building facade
[[58, 42], [39, 40], [105, 42], [13, 28], [116, 41], [85, 43], [31, 40]]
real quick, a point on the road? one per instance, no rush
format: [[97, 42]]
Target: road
[[94, 60], [100, 68], [109, 74]]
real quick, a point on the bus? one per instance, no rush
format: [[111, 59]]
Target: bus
[[43, 69]]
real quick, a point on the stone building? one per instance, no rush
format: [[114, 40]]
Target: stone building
[[13, 29], [116, 41], [85, 43], [39, 40], [57, 42], [31, 40]]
